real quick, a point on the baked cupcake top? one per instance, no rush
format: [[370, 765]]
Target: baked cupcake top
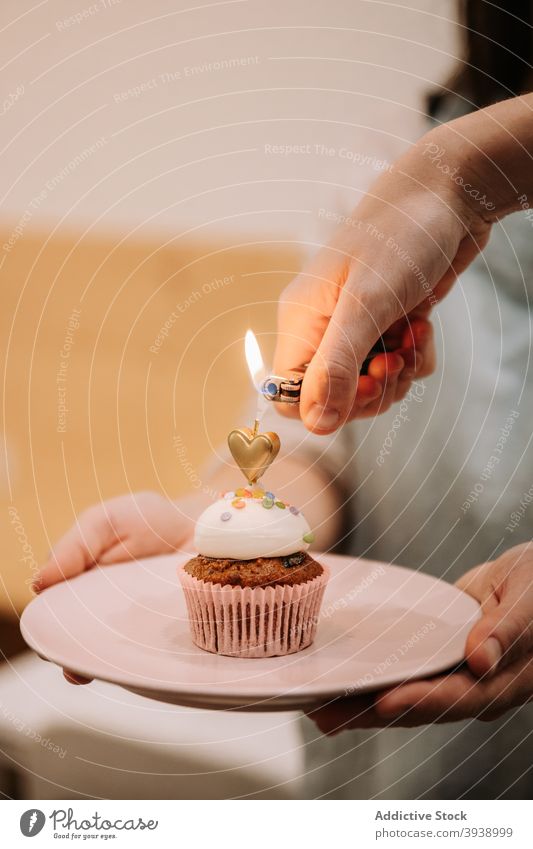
[[259, 572], [250, 523]]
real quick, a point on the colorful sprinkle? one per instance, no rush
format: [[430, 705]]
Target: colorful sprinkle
[[267, 502], [294, 511], [258, 493], [270, 495], [280, 504], [225, 517], [238, 503], [243, 493], [310, 537]]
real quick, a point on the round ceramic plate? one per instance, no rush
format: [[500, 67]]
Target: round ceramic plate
[[127, 624]]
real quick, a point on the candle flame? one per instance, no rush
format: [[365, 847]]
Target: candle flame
[[254, 359]]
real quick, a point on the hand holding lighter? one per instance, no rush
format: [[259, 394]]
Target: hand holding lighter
[[286, 390]]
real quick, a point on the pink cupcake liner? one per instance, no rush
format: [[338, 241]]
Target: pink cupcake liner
[[259, 622]]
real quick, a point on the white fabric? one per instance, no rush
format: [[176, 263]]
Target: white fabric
[[100, 741]]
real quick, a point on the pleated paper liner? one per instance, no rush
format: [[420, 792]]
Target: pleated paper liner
[[253, 622]]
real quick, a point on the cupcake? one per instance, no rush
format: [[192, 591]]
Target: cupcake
[[253, 590]]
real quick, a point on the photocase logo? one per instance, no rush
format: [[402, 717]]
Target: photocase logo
[[32, 822]]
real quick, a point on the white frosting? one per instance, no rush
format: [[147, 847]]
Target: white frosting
[[250, 531]]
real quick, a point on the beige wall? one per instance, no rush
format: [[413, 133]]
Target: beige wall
[[183, 144]]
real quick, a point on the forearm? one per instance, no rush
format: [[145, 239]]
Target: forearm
[[492, 152]]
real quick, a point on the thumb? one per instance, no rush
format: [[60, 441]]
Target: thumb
[[505, 633], [330, 383], [305, 308]]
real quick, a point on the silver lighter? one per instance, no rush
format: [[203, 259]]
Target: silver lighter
[[286, 390]]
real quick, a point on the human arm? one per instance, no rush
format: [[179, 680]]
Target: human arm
[[419, 226]]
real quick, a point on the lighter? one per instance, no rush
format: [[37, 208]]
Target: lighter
[[287, 389]]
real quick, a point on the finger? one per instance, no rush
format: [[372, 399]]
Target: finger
[[444, 699], [457, 696], [420, 336], [343, 714], [416, 333], [448, 698], [412, 363], [387, 368], [505, 632], [413, 366], [132, 549], [362, 312], [78, 549], [74, 678], [429, 700], [366, 399], [119, 553], [368, 389], [288, 411], [475, 583]]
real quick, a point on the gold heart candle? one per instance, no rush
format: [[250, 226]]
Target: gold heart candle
[[252, 451]]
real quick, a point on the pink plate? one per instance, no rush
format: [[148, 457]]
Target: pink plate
[[127, 624]]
